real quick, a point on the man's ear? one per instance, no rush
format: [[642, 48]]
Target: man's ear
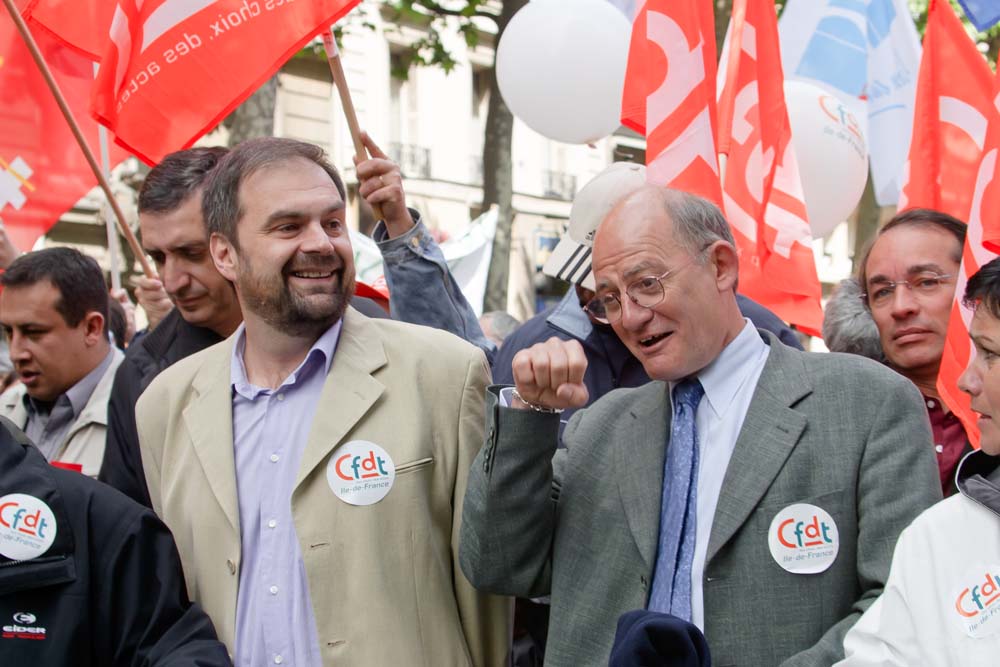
[[726, 261], [224, 255], [93, 328]]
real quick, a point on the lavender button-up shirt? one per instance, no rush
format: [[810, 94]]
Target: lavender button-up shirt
[[274, 616]]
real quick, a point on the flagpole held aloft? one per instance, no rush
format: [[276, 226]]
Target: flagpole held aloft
[[340, 80], [102, 134], [29, 41]]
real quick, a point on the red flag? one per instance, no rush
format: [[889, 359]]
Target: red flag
[[175, 68], [42, 171], [669, 94], [954, 101], [981, 245], [761, 187], [80, 24]]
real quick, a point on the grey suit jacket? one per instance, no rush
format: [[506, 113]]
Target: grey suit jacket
[[836, 431]]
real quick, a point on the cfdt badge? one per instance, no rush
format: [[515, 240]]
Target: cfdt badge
[[803, 539], [27, 526], [977, 602], [360, 473]]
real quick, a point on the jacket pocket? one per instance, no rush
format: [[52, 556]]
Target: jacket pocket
[[36, 573], [412, 466]]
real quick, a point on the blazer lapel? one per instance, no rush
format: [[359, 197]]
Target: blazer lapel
[[641, 452], [209, 420], [349, 391], [769, 434]]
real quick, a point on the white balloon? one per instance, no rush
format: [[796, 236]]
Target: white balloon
[[831, 152], [560, 67]]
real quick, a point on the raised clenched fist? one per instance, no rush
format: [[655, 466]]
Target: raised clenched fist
[[550, 375]]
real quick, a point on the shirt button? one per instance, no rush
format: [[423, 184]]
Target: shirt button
[[281, 397], [931, 404], [274, 458], [232, 566], [278, 660], [939, 448], [272, 523], [274, 590]]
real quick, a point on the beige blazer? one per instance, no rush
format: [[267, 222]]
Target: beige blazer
[[84, 442], [385, 583]]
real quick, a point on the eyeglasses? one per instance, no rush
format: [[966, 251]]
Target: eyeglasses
[[645, 292], [923, 284]]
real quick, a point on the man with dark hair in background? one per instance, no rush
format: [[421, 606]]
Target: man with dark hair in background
[[54, 312], [939, 603], [173, 234], [908, 276]]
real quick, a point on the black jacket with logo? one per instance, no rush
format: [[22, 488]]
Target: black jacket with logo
[[108, 592]]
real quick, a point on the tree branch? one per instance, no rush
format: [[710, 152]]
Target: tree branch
[[435, 7]]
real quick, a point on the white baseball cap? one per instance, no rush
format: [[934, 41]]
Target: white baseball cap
[[570, 260]]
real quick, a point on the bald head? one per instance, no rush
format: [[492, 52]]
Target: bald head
[[662, 214], [669, 259]]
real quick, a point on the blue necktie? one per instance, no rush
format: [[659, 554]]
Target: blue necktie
[[671, 590]]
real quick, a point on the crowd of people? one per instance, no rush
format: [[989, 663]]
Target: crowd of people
[[652, 471]]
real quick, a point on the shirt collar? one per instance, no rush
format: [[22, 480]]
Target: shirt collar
[[321, 352], [723, 378], [570, 317], [79, 394]]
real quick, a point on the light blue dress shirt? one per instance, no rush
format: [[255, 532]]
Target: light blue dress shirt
[[275, 624], [729, 383]]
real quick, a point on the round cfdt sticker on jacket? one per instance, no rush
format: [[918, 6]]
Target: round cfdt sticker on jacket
[[803, 539], [976, 601], [27, 526], [361, 472]]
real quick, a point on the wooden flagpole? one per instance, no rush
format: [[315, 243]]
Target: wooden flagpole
[[78, 135], [340, 80], [109, 225]]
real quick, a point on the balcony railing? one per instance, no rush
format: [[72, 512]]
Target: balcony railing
[[414, 161]]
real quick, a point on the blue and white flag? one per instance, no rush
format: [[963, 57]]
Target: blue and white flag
[[626, 7], [984, 14], [867, 52]]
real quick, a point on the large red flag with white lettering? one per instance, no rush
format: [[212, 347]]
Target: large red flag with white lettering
[[175, 68], [761, 188], [42, 171], [953, 103], [80, 24], [669, 94], [982, 243]]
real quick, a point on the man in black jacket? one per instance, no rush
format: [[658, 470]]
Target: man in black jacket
[[88, 577], [206, 310]]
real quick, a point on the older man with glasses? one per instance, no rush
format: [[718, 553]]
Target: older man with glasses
[[908, 278], [746, 489]]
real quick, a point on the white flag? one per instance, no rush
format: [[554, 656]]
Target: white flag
[[867, 52]]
